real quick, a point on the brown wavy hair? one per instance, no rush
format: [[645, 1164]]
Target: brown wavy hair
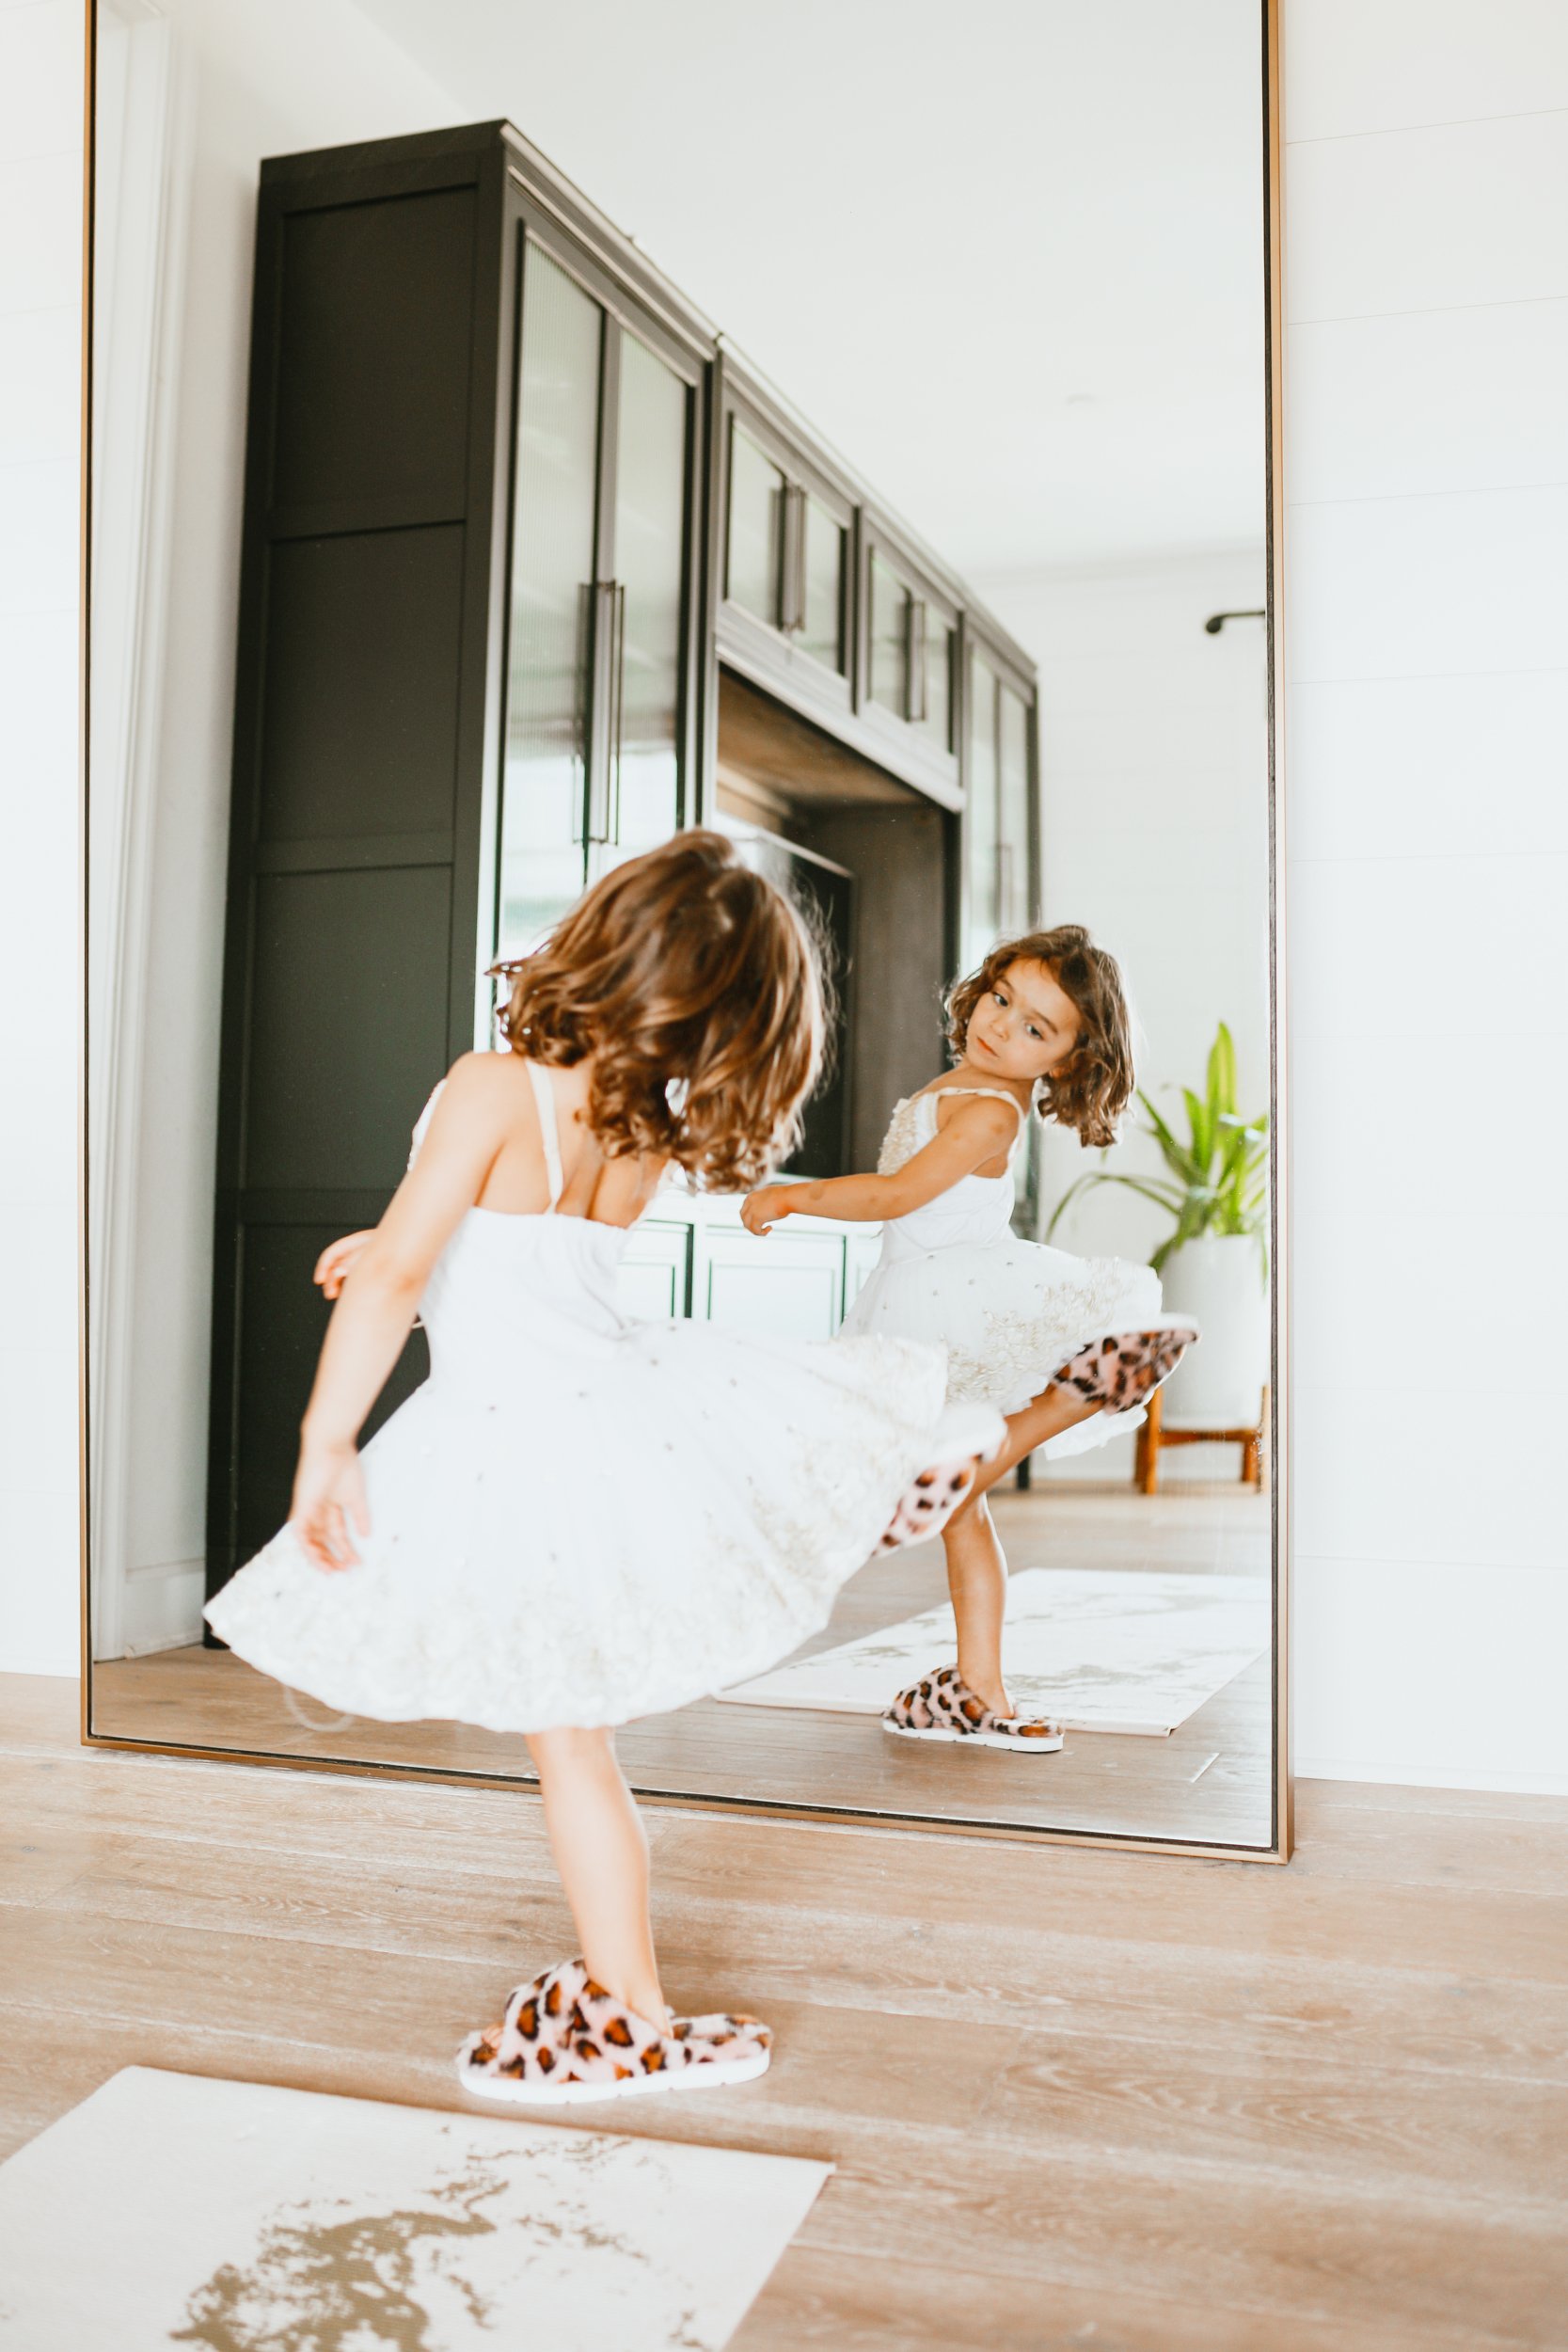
[[694, 984], [1089, 1091]]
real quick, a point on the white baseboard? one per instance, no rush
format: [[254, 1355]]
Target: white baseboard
[[161, 1608], [1378, 1772]]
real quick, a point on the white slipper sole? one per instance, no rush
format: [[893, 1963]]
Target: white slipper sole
[[1011, 1746], [507, 2091]]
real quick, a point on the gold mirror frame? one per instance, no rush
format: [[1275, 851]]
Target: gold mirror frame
[[1281, 1795]]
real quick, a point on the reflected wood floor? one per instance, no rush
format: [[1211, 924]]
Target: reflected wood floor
[[1209, 1781], [1075, 2099]]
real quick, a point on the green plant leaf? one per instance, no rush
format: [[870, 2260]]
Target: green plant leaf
[[1218, 1179], [1164, 1195]]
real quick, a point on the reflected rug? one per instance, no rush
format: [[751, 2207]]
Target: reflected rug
[[1098, 1649], [175, 2210]]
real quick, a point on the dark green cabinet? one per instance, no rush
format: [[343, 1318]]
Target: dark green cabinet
[[517, 522]]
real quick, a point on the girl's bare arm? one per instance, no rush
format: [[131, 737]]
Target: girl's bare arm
[[978, 1130], [380, 1290]]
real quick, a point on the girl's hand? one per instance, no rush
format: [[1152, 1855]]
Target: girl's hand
[[334, 1261], [763, 1210], [329, 1494]]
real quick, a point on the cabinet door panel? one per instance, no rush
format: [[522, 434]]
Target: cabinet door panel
[[1013, 824], [348, 1023], [652, 439], [890, 621], [981, 878], [372, 370], [788, 1287], [360, 715], [655, 1272], [827, 546], [554, 494], [754, 542]]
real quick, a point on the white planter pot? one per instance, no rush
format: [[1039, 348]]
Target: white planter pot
[[1219, 1281]]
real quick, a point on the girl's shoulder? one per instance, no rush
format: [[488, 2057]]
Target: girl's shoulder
[[487, 1090], [989, 1106]]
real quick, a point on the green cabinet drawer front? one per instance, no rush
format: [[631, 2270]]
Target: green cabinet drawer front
[[788, 1287], [655, 1272]]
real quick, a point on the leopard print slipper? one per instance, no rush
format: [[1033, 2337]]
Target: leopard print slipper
[[944, 1706], [1121, 1372], [525, 2057], [564, 2040], [968, 1436]]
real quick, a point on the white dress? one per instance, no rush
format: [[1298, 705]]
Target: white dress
[[579, 1518], [1009, 1312]]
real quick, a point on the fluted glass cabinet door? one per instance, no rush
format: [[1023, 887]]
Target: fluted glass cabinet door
[[982, 894], [822, 619], [754, 547], [890, 626], [1013, 796], [543, 813], [652, 441]]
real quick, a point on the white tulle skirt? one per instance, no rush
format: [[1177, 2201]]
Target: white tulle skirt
[[1010, 1314], [608, 1527]]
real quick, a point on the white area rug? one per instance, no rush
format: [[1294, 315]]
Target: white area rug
[[171, 2210], [1100, 1650]]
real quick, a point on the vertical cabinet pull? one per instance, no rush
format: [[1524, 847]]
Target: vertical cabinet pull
[[606, 662], [792, 559], [914, 660]]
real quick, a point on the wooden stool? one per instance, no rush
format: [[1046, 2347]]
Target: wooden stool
[[1153, 1436]]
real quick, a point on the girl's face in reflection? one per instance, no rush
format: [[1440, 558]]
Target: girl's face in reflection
[[1025, 1027]]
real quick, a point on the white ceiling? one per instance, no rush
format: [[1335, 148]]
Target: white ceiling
[[1005, 253]]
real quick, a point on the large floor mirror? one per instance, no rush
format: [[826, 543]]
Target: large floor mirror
[[901, 499]]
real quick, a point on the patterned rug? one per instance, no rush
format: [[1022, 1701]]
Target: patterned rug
[[175, 2210], [1101, 1649]]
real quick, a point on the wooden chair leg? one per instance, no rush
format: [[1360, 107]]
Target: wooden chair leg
[[1146, 1472]]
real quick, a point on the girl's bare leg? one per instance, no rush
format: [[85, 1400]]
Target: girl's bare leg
[[978, 1580], [601, 1850], [976, 1565], [1044, 1416]]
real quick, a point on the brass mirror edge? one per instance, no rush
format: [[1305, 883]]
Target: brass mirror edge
[[83, 691], [1282, 1790]]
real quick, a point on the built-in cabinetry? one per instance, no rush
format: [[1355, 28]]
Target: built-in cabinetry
[[536, 568]]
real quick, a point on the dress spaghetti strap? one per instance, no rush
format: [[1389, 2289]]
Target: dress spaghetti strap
[[549, 1134]]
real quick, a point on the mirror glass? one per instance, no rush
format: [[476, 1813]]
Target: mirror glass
[[515, 440]]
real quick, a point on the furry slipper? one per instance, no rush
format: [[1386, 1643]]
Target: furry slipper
[[1121, 1372], [967, 1435], [564, 2040], [944, 1707], [525, 2057]]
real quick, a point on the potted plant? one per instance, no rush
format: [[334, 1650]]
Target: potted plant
[[1213, 1262]]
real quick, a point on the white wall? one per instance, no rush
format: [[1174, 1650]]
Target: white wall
[[240, 94], [1154, 792], [40, 187], [1426, 629]]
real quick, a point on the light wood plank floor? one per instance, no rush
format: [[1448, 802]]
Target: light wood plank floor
[[1208, 1782], [1074, 2098]]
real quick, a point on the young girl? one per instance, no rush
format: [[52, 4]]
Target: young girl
[[1068, 1348], [577, 1519]]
